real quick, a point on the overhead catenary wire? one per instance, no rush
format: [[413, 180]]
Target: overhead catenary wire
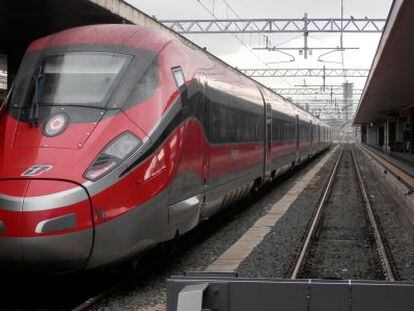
[[249, 49], [225, 8]]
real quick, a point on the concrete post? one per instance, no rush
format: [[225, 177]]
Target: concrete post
[[387, 137], [372, 135]]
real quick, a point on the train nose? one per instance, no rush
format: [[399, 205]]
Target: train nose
[[10, 223], [45, 225]]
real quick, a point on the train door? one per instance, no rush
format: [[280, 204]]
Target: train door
[[267, 166], [213, 192], [311, 133], [319, 134], [297, 137], [187, 195], [205, 121], [268, 141]]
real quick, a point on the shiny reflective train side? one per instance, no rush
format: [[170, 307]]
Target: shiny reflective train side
[[116, 137]]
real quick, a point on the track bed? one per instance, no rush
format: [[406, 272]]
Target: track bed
[[343, 246]]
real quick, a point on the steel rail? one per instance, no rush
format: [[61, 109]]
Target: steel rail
[[377, 235], [107, 291], [316, 218], [88, 303]]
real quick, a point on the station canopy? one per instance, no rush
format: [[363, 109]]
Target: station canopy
[[390, 84], [23, 21]]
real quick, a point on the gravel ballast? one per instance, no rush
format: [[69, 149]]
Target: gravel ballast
[[396, 230], [202, 246], [276, 255], [196, 251], [343, 247], [349, 251]]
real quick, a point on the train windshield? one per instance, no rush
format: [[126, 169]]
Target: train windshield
[[78, 78]]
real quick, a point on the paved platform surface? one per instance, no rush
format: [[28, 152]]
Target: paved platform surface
[[401, 161]]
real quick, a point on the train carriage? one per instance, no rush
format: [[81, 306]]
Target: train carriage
[[118, 137]]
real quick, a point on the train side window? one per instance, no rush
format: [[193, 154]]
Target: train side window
[[222, 126], [231, 125], [178, 75]]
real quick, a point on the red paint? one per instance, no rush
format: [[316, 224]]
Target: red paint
[[23, 223], [71, 152]]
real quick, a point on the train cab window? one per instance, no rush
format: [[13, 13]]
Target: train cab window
[[78, 78], [147, 83], [178, 75]]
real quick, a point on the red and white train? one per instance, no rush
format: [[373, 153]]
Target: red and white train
[[117, 137]]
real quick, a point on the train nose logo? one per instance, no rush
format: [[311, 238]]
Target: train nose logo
[[56, 124], [37, 170]]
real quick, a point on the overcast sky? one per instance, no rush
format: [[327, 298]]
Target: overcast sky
[[230, 50]]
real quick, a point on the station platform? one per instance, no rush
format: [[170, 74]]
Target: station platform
[[403, 161], [398, 172], [385, 112], [401, 169]]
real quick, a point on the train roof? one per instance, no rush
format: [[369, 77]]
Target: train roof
[[139, 37], [110, 34]]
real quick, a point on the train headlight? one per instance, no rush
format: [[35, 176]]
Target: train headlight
[[112, 155]]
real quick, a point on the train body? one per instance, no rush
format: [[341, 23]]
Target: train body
[[115, 138]]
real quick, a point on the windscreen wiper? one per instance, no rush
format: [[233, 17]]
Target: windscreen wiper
[[37, 97]]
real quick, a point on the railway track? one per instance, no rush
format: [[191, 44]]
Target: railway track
[[130, 281], [93, 302], [324, 244], [147, 266]]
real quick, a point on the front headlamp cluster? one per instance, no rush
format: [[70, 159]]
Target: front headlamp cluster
[[117, 151]]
